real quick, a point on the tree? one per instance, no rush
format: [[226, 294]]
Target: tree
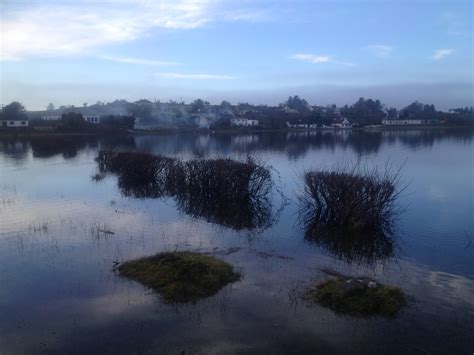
[[392, 113], [198, 105], [14, 111], [297, 103], [226, 104], [50, 107], [418, 111], [365, 112], [72, 120], [141, 111], [126, 122]]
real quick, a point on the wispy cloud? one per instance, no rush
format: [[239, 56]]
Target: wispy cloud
[[138, 61], [381, 50], [192, 76], [316, 59], [71, 27], [456, 24], [442, 53], [311, 58]]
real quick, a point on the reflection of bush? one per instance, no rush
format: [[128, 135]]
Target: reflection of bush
[[353, 246], [47, 147], [350, 212], [224, 191]]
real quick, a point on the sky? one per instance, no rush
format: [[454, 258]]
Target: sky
[[332, 51]]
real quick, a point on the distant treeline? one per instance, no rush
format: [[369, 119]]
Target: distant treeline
[[201, 114], [68, 121], [76, 121]]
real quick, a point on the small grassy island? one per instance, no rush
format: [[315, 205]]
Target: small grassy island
[[360, 297], [180, 277]]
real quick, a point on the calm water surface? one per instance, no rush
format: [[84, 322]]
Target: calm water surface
[[60, 295]]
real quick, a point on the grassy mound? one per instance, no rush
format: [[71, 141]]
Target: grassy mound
[[181, 276], [358, 297]]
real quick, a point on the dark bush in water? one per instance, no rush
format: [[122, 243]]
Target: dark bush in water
[[224, 191], [139, 174], [350, 211]]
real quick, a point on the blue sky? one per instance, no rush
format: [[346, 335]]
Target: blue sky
[[71, 52]]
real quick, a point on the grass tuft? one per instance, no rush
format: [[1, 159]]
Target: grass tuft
[[358, 297], [180, 277]]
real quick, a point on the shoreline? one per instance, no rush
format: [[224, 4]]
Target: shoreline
[[175, 131]]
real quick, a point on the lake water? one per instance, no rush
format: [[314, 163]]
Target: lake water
[[59, 293]]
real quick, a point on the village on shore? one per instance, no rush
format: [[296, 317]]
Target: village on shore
[[294, 113]]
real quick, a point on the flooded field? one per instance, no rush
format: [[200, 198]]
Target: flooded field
[[66, 223]]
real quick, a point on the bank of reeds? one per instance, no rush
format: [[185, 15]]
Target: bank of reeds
[[139, 174], [224, 191], [350, 210]]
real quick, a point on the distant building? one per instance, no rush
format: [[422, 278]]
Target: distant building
[[88, 118], [286, 109], [302, 125], [345, 124], [92, 119], [243, 122], [144, 103], [408, 122], [51, 117], [14, 124]]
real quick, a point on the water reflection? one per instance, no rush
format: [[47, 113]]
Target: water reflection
[[67, 147], [294, 144], [353, 247], [14, 149], [59, 294]]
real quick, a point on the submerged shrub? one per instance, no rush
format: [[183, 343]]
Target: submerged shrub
[[224, 191], [139, 174], [180, 277], [350, 211], [361, 297]]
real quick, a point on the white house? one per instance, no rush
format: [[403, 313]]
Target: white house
[[408, 122], [302, 125], [51, 117], [345, 124], [92, 119], [243, 122], [89, 118], [14, 123]]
